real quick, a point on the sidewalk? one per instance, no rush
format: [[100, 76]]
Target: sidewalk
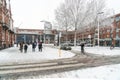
[[13, 55], [99, 50], [96, 50]]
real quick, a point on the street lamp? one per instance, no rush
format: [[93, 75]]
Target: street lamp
[[47, 30], [44, 31], [59, 37], [99, 27]]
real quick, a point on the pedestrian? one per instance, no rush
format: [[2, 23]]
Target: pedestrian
[[21, 47], [17, 44], [25, 48], [33, 46], [40, 46], [82, 48], [112, 46]]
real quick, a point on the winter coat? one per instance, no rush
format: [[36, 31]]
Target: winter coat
[[40, 45], [33, 45], [25, 46]]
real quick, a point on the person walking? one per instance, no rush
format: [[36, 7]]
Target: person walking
[[112, 45], [25, 48], [21, 47], [82, 48], [33, 46], [40, 46]]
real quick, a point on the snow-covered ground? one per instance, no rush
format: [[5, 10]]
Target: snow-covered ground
[[108, 72], [13, 55], [100, 50]]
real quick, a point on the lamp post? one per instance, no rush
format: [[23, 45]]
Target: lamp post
[[59, 37], [47, 30], [75, 38], [99, 27], [44, 32]]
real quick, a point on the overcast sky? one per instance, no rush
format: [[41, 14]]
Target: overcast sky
[[29, 13]]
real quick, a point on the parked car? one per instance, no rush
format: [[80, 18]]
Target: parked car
[[65, 46], [78, 44], [68, 44], [71, 44], [89, 45]]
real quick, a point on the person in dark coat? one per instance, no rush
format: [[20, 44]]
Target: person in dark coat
[[33, 46], [40, 46], [25, 48], [82, 47], [21, 47]]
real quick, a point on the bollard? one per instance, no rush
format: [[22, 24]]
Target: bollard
[[59, 52]]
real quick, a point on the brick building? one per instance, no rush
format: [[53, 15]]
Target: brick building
[[108, 33], [6, 25]]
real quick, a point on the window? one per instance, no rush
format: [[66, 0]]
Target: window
[[118, 24], [117, 18], [119, 33]]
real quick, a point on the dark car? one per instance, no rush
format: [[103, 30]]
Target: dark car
[[89, 45]]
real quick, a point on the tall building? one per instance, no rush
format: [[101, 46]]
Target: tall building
[[6, 25]]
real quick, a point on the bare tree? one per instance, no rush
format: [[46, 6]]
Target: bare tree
[[76, 10], [95, 8], [74, 14], [62, 18]]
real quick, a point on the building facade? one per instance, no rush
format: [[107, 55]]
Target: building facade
[[6, 25], [108, 34], [34, 35]]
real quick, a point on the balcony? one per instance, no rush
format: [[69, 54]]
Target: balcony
[[5, 26], [11, 31]]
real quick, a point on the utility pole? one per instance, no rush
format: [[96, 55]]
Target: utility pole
[[99, 28]]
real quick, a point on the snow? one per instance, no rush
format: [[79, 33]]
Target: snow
[[107, 72], [100, 50], [100, 73], [13, 55]]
